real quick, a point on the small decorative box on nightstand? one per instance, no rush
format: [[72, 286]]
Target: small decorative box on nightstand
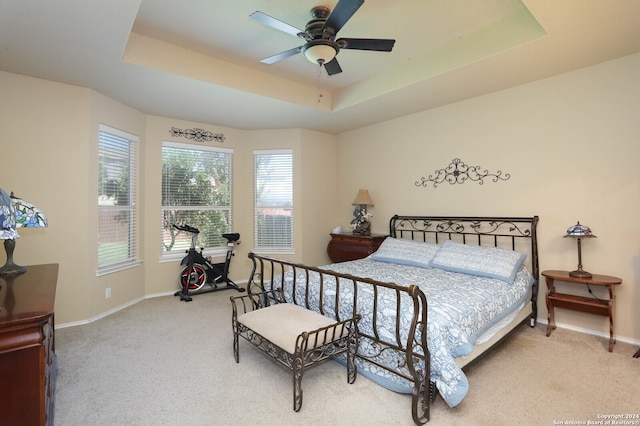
[[348, 246]]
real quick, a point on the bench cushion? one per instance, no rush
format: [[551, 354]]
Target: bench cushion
[[284, 322]]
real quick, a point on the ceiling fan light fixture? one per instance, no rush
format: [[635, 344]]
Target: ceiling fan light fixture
[[319, 52], [321, 47]]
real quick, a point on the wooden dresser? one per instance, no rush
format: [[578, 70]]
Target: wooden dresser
[[349, 246], [27, 346]]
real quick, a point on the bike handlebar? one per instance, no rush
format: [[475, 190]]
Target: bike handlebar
[[187, 228], [233, 237]]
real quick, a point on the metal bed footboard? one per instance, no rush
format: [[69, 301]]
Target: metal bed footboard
[[269, 273]]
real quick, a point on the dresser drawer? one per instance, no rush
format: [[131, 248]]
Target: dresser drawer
[[344, 247]]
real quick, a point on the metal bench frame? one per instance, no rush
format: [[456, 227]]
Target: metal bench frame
[[311, 346]]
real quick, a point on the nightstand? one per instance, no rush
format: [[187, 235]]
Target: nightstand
[[591, 305], [348, 246]]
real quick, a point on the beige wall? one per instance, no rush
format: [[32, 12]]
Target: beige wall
[[319, 193], [49, 137], [49, 133], [570, 144], [44, 146]]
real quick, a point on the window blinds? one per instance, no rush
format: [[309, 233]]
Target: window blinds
[[117, 200], [196, 191], [273, 200]]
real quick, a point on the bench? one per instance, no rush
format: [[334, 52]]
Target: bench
[[292, 335]]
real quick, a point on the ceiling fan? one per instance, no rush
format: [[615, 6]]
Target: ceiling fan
[[321, 46]]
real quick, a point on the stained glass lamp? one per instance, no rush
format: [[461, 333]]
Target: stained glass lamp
[[16, 213], [579, 232]]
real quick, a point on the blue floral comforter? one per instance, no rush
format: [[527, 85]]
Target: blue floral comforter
[[460, 308]]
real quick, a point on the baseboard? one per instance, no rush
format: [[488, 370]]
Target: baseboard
[[591, 332], [121, 307], [102, 315], [154, 295]]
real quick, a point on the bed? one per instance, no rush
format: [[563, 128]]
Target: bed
[[438, 293]]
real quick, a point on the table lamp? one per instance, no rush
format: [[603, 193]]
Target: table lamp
[[579, 232], [16, 213], [361, 224]]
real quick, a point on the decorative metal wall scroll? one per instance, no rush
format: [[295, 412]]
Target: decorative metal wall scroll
[[459, 172], [198, 135]]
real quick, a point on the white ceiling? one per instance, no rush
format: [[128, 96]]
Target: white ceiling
[[199, 60]]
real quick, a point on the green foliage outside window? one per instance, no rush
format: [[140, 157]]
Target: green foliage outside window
[[196, 190]]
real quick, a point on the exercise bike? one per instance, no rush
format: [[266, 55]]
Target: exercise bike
[[200, 271]]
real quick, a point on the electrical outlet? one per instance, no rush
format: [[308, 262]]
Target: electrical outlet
[[107, 293]]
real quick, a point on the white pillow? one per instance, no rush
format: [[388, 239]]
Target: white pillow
[[482, 261], [406, 252]]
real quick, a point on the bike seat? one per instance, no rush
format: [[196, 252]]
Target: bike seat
[[232, 237]]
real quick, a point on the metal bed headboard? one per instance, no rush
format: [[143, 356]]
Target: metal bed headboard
[[514, 233]]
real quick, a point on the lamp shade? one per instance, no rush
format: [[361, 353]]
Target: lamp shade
[[579, 231], [7, 217], [16, 213], [319, 52], [27, 214], [363, 198]]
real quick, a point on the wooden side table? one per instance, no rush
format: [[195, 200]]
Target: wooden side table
[[591, 305], [349, 246]]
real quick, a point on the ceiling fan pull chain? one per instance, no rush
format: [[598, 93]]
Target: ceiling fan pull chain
[[319, 88]]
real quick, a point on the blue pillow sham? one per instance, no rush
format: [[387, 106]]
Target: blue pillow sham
[[482, 261], [406, 252]]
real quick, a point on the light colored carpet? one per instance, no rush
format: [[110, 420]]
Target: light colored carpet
[[166, 362]]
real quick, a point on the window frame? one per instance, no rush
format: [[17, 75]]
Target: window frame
[[290, 249], [133, 233], [178, 254]]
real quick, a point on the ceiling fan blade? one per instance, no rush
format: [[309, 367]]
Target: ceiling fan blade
[[282, 55], [333, 67], [377, 44], [275, 23], [340, 14]]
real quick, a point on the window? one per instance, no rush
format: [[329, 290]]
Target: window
[[196, 191], [273, 200], [117, 200]]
